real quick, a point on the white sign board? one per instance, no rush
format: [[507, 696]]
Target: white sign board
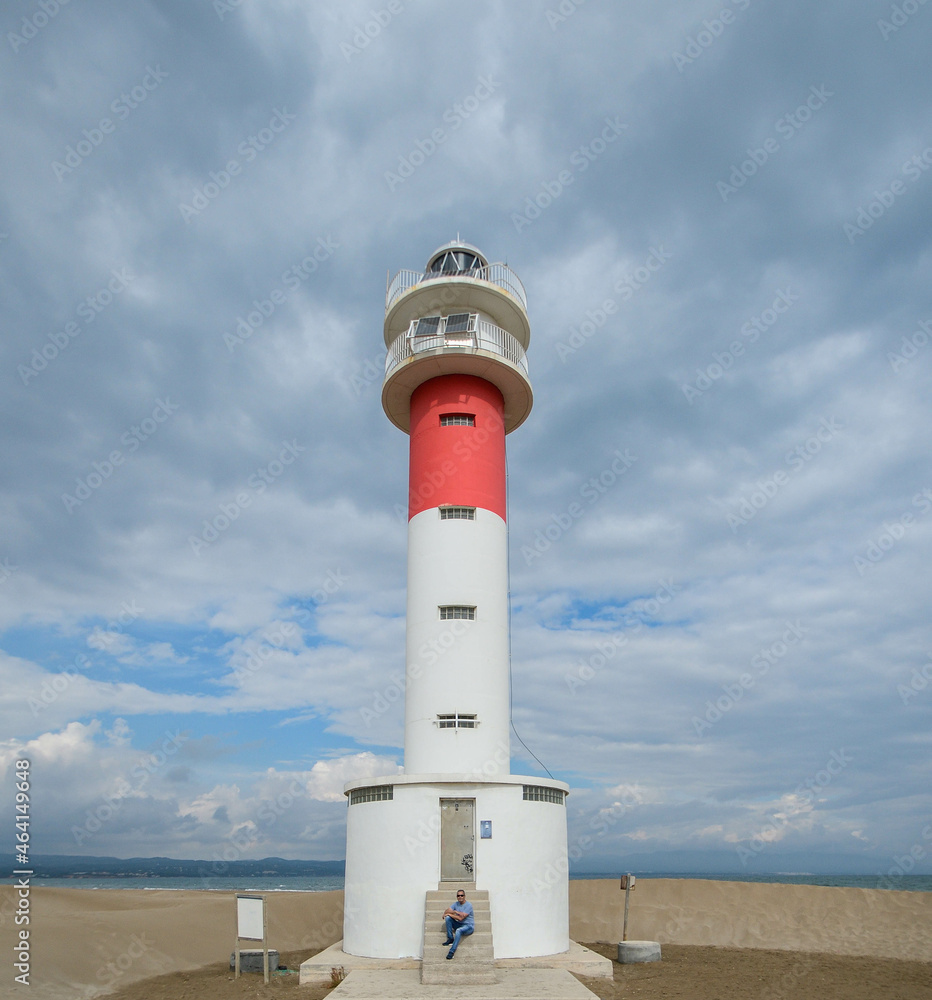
[[250, 917]]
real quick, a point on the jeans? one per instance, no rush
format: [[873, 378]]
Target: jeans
[[456, 930]]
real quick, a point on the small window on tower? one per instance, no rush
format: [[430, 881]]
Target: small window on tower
[[538, 793], [456, 721], [457, 513], [457, 420], [460, 611]]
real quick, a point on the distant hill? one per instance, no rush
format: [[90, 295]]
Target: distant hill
[[75, 866]]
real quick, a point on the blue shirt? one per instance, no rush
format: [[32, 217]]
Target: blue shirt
[[464, 907]]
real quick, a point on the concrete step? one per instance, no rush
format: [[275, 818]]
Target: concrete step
[[442, 899], [467, 954], [473, 963], [472, 950], [457, 975], [439, 905], [481, 935]]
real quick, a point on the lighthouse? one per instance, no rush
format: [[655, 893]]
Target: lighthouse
[[456, 382]]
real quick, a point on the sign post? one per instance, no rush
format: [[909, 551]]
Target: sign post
[[251, 924], [627, 883]]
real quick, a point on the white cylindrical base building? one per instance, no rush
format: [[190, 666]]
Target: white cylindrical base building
[[399, 847]]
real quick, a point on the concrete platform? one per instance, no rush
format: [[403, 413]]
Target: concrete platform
[[578, 959], [316, 969], [513, 984]]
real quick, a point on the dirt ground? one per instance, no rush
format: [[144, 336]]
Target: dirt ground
[[687, 972]]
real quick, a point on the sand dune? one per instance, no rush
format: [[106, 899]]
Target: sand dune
[[874, 922], [88, 942]]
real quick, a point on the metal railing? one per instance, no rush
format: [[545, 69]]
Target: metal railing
[[496, 274], [482, 336]]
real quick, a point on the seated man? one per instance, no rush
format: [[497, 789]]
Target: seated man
[[459, 921]]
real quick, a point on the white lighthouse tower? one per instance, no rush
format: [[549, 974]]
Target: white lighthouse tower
[[456, 382]]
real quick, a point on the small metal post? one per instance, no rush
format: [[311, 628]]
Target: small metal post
[[235, 944], [265, 941], [624, 933]]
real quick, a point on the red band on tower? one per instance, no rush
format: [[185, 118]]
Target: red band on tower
[[457, 464]]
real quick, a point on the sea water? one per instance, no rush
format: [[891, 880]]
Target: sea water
[[325, 883]]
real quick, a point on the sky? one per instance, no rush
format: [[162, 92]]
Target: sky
[[720, 506]]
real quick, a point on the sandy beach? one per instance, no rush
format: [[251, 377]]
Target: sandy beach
[[719, 939]]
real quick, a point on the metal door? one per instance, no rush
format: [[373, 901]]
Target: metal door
[[457, 840]]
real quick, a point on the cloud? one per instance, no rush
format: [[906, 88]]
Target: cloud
[[201, 490]]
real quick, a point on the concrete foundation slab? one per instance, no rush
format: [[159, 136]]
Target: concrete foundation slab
[[578, 959], [513, 984], [317, 968], [582, 961]]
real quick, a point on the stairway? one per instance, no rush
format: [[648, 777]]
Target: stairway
[[473, 962]]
